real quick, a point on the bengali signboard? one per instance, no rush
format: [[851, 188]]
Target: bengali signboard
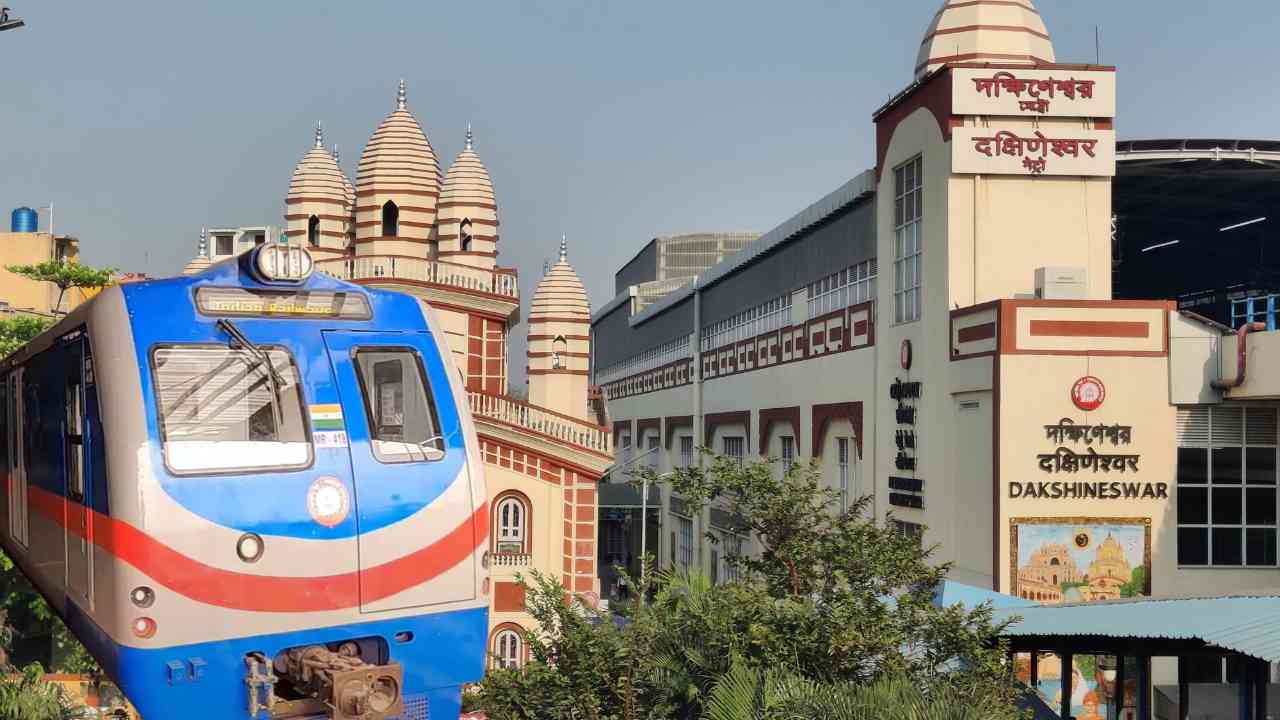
[[1029, 151], [1055, 92]]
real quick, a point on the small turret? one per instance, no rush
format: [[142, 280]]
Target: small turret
[[560, 341]]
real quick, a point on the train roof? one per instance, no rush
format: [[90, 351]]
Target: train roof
[[233, 272]]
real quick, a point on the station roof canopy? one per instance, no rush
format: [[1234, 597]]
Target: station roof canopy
[[1244, 624], [1194, 215]]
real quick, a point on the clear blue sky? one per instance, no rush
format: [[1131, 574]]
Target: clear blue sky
[[611, 122]]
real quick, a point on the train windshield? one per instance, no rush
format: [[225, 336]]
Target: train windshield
[[402, 419], [223, 409]]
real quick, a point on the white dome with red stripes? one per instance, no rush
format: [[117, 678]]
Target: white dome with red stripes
[[994, 31]]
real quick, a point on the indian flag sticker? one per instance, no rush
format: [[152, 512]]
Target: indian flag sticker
[[327, 427]]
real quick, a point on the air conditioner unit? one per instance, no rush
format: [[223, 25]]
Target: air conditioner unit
[[1061, 283]]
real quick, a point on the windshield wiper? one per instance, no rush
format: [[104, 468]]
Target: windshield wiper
[[239, 341]]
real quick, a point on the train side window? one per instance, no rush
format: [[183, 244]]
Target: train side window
[[403, 425], [75, 440]]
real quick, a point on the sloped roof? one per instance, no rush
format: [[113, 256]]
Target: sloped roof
[[1247, 624]]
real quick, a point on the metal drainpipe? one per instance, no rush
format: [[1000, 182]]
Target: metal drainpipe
[[697, 368], [700, 440], [1241, 343]]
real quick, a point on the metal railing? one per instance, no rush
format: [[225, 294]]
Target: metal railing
[[1259, 308], [546, 422], [405, 267]]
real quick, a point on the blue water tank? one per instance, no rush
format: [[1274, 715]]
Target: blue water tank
[[24, 220]]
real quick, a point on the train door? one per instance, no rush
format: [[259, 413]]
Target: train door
[[409, 470], [17, 459], [79, 525]]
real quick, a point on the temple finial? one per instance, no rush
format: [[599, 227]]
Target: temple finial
[[400, 96], [319, 136], [468, 136], [204, 244], [564, 249], [336, 157]]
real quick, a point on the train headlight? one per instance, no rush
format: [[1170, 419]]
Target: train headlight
[[250, 547], [327, 501], [143, 596], [283, 263]]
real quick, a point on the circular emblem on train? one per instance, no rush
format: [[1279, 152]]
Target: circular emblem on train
[[904, 356], [327, 501], [1088, 393]]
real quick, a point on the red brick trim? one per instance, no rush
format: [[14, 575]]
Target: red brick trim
[[824, 414], [711, 421], [770, 416], [673, 422]]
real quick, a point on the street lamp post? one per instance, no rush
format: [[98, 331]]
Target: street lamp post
[[644, 515]]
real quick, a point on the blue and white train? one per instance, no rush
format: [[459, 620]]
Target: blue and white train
[[255, 492]]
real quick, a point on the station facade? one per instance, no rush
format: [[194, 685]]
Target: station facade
[[939, 333]]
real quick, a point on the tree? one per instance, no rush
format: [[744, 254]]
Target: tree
[[833, 602], [28, 696], [17, 330], [65, 275], [777, 694]]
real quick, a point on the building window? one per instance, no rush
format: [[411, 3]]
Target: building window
[[842, 460], [390, 219], [733, 551], [912, 530], [684, 545], [852, 285], [1227, 486], [313, 231], [653, 453], [754, 321], [715, 567], [686, 451], [508, 649], [624, 442], [222, 245], [733, 448], [907, 215], [788, 452], [512, 526], [559, 347], [464, 235]]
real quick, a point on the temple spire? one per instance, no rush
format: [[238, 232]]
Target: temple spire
[[400, 96], [564, 249], [468, 136], [336, 157], [319, 136], [204, 244]]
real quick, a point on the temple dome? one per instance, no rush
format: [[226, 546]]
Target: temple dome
[[398, 158], [317, 176], [1004, 31], [467, 183], [560, 293]]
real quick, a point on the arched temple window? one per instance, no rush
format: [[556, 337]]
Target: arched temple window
[[390, 219], [464, 234], [508, 649], [511, 525], [313, 231]]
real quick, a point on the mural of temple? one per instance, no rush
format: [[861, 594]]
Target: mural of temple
[[1050, 566]]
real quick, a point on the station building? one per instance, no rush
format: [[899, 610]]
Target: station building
[[940, 333]]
